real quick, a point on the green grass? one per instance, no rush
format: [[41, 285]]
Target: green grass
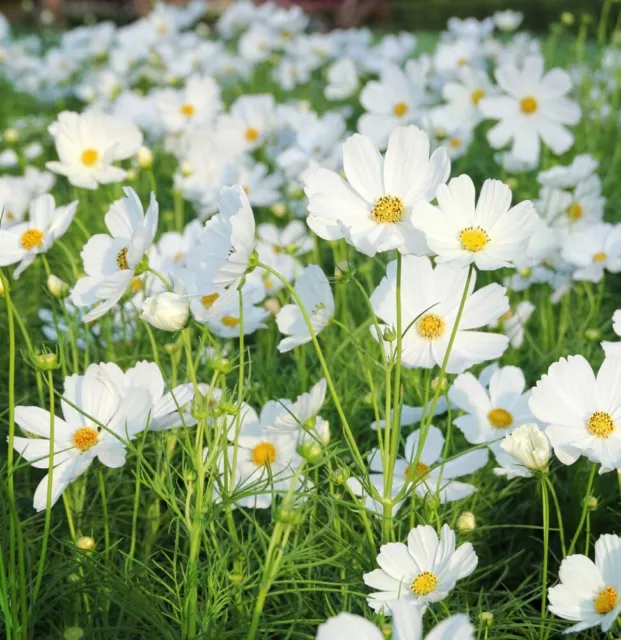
[[112, 593]]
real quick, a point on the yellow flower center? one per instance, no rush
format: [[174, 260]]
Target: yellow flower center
[[601, 425], [575, 211], [600, 257], [230, 321], [388, 209], [430, 326], [421, 469], [473, 239], [268, 283], [90, 157], [31, 239], [424, 583], [476, 96], [188, 110], [400, 109], [251, 134], [84, 438], [461, 61], [606, 600], [500, 418], [209, 300], [121, 259], [263, 453], [455, 143], [178, 257], [528, 105]]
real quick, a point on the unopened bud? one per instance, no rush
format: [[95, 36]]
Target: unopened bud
[[222, 365], [290, 516], [46, 361], [144, 156], [437, 382], [1, 287], [390, 335], [279, 209], [131, 175], [11, 135], [466, 521], [185, 168], [73, 633], [340, 476], [593, 334], [568, 18], [592, 503], [85, 543], [487, 618], [310, 451], [272, 305], [57, 287], [512, 182]]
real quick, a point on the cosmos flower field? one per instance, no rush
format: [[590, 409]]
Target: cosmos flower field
[[310, 333]]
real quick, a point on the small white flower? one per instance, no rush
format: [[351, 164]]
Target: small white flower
[[508, 20], [581, 168], [342, 79], [614, 348], [529, 446], [425, 570], [316, 295], [167, 311], [590, 592], [593, 250]]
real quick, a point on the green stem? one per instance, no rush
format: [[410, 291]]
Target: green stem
[[545, 506], [559, 515], [585, 509]]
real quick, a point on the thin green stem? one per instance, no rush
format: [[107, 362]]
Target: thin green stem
[[559, 515], [585, 509], [545, 507]]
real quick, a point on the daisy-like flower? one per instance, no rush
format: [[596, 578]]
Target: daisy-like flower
[[196, 104], [407, 625], [314, 291], [425, 570], [593, 250], [582, 167], [252, 119], [226, 322], [89, 144], [228, 241], [112, 262], [489, 233], [491, 413], [590, 592], [614, 348], [77, 439], [534, 108], [372, 211], [394, 100], [582, 412], [342, 79], [300, 418], [571, 209], [529, 446], [513, 322], [24, 241], [429, 308], [508, 20]]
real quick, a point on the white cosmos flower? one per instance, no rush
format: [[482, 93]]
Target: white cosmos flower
[[22, 242], [589, 592], [513, 322], [226, 322], [593, 250], [529, 445], [89, 144], [78, 440], [489, 233], [252, 120], [314, 290], [508, 20], [342, 77], [112, 261], [491, 413], [430, 302], [228, 240], [373, 210], [534, 108], [425, 570], [614, 348], [394, 100], [582, 412], [167, 311], [407, 625], [582, 167]]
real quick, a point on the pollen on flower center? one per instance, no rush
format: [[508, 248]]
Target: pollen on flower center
[[188, 110], [388, 209], [84, 438], [473, 239], [477, 96], [251, 134], [601, 424], [90, 157], [230, 321], [263, 453], [424, 583], [421, 469], [528, 105], [600, 257], [575, 211], [400, 109], [31, 239], [500, 418], [209, 300], [606, 600], [121, 259], [430, 326], [455, 143]]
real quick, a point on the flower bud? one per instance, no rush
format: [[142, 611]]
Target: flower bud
[[1, 287], [512, 182], [73, 633], [167, 311], [46, 361], [593, 334], [222, 365], [144, 156], [290, 516], [131, 175], [56, 286], [568, 18], [390, 335], [185, 168], [487, 618], [272, 305], [310, 451], [340, 476], [529, 445], [11, 135], [466, 521], [279, 209], [442, 384], [592, 503], [85, 543]]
